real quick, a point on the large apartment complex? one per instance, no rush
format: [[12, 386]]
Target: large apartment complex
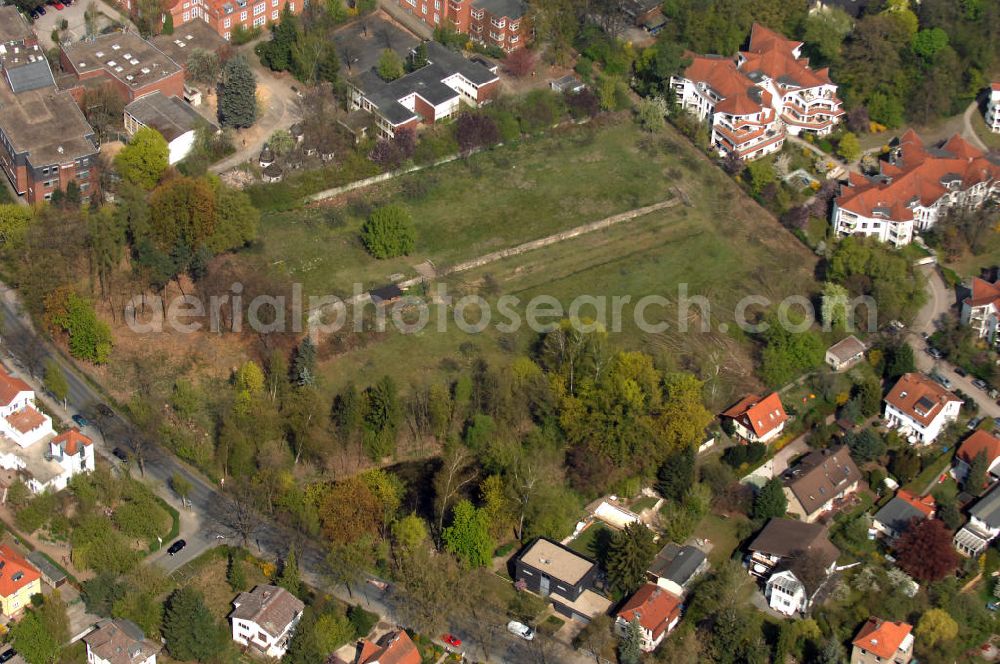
[[753, 101], [914, 188], [45, 141], [500, 23]]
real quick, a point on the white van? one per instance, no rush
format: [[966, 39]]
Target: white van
[[520, 629]]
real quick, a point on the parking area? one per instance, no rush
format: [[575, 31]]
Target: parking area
[[74, 16]]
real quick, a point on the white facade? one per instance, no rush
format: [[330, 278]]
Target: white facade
[[93, 658], [993, 109], [984, 319], [247, 632], [923, 434], [647, 642], [24, 399], [786, 594]]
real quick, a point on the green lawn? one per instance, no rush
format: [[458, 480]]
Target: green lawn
[[722, 533], [919, 483], [717, 244], [589, 543]]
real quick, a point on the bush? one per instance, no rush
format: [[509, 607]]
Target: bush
[[362, 621], [388, 232], [242, 35]]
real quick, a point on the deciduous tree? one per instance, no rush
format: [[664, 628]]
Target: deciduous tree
[[468, 536], [145, 158], [388, 232], [925, 551]]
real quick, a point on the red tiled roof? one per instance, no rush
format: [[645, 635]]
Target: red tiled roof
[[761, 415], [919, 397], [923, 504], [393, 648], [722, 75], [995, 87], [764, 39], [13, 565], [71, 441], [774, 55], [917, 178], [26, 419], [10, 387], [654, 607], [983, 293], [980, 441], [882, 637]]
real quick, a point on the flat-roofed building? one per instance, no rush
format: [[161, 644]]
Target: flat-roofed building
[[133, 65]]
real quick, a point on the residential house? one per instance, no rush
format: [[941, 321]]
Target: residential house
[[993, 108], [782, 539], [978, 442], [883, 642], [983, 525], [133, 66], [562, 576], [845, 353], [657, 612], [19, 580], [981, 309], [45, 141], [172, 117], [897, 514], [913, 189], [21, 421], [818, 480], [675, 567], [392, 648], [920, 408], [119, 642], [854, 8], [757, 419], [500, 23], [753, 101], [432, 93], [264, 619], [786, 594]]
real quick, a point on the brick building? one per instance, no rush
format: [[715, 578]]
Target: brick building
[[224, 16], [45, 141], [130, 63], [500, 23]]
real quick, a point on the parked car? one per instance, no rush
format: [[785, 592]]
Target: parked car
[[59, 6], [176, 547], [521, 630], [974, 423], [452, 640], [8, 655], [981, 384], [121, 454], [941, 379], [81, 421], [41, 10], [105, 410], [996, 423], [961, 372], [934, 352], [992, 606]]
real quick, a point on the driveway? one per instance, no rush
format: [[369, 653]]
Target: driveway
[[779, 463], [941, 301], [968, 131]]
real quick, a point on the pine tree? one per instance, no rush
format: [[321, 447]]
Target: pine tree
[[975, 480], [237, 94], [236, 576], [289, 578], [770, 501], [304, 366], [189, 628], [630, 553], [630, 646], [676, 475]]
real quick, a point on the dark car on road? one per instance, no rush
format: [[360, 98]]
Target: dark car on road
[[935, 353], [121, 454], [8, 655], [176, 547], [81, 421], [105, 410], [961, 372]]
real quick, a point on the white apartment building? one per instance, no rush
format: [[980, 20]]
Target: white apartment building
[[920, 408]]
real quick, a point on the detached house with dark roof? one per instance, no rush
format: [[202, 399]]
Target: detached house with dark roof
[[433, 92], [657, 612], [822, 477], [265, 618], [675, 567], [781, 539], [562, 576], [914, 189], [897, 514], [981, 309], [757, 419], [883, 642], [920, 408], [753, 101], [119, 642]]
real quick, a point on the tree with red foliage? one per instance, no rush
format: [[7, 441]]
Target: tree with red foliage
[[925, 551], [519, 63], [583, 104], [475, 130]]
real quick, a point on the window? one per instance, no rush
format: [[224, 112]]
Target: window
[[83, 175], [477, 14], [437, 19], [514, 39], [274, 15], [498, 23], [243, 16], [226, 23], [423, 9], [186, 17], [186, 5], [516, 25], [226, 35], [259, 9], [259, 21], [437, 4]]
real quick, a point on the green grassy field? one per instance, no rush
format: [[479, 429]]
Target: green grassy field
[[715, 242]]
